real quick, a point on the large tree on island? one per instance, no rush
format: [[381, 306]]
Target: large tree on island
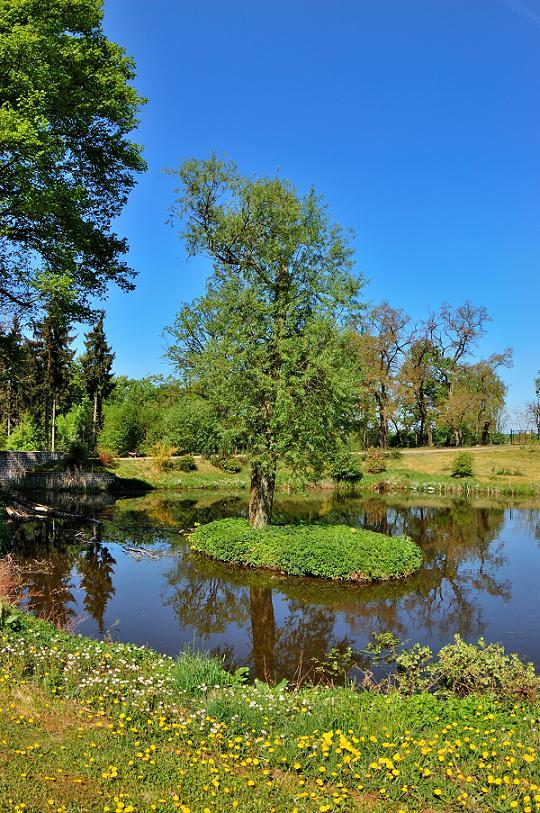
[[266, 344], [67, 164]]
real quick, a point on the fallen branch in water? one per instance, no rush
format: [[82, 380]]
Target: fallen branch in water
[[21, 510]]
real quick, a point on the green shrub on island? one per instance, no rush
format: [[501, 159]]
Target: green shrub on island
[[346, 469], [462, 465], [327, 551]]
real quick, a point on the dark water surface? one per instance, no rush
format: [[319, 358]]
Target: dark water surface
[[481, 578]]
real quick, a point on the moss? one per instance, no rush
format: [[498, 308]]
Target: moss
[[328, 551]]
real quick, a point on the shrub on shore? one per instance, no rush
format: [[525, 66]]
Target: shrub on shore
[[462, 465], [346, 469], [328, 551]]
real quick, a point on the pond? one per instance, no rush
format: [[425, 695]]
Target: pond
[[133, 578]]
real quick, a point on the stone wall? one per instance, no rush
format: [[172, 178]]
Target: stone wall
[[14, 465]]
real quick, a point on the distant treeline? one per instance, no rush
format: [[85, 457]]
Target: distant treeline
[[417, 387]]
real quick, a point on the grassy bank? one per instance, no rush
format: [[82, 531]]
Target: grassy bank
[[498, 471], [327, 551], [88, 726]]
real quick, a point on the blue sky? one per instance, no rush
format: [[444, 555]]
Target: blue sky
[[418, 121]]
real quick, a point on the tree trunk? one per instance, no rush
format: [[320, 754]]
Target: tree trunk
[[95, 420], [383, 431], [261, 497], [485, 432], [53, 425]]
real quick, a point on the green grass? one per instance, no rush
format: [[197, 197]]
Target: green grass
[[328, 551], [206, 476], [88, 727], [498, 471]]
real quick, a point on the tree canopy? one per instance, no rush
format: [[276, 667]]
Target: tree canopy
[[67, 164]]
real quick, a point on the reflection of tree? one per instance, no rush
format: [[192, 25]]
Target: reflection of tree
[[96, 566], [205, 600], [40, 547]]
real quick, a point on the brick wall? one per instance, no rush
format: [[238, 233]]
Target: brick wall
[[14, 465]]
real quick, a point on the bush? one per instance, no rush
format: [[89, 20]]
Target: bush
[[346, 469], [329, 551], [185, 462], [75, 456], [163, 456], [107, 459], [374, 461], [462, 465], [27, 436], [464, 669], [226, 464]]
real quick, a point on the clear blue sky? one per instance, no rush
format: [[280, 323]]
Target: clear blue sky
[[419, 121]]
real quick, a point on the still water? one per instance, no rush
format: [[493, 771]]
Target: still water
[[133, 578]]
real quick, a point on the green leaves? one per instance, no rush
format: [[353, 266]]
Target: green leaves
[[66, 162]]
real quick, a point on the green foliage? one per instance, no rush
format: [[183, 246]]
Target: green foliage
[[27, 435], [329, 551], [227, 464], [67, 107], [464, 669], [185, 462], [123, 429], [191, 425], [462, 465], [74, 425], [374, 461], [346, 468]]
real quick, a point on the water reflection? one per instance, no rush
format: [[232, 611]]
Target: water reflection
[[479, 578]]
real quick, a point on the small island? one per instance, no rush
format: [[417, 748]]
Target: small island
[[325, 551]]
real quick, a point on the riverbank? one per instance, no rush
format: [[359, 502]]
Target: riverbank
[[498, 471], [96, 726]]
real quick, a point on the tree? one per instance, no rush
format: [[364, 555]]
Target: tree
[[12, 357], [54, 358], [383, 340], [419, 386], [66, 162], [265, 344], [532, 408], [96, 364]]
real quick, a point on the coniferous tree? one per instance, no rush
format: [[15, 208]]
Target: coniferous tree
[[53, 359], [96, 368]]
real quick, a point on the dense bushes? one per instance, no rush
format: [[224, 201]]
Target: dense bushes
[[185, 463], [329, 551], [464, 669]]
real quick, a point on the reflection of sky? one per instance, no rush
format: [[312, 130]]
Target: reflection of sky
[[481, 577]]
